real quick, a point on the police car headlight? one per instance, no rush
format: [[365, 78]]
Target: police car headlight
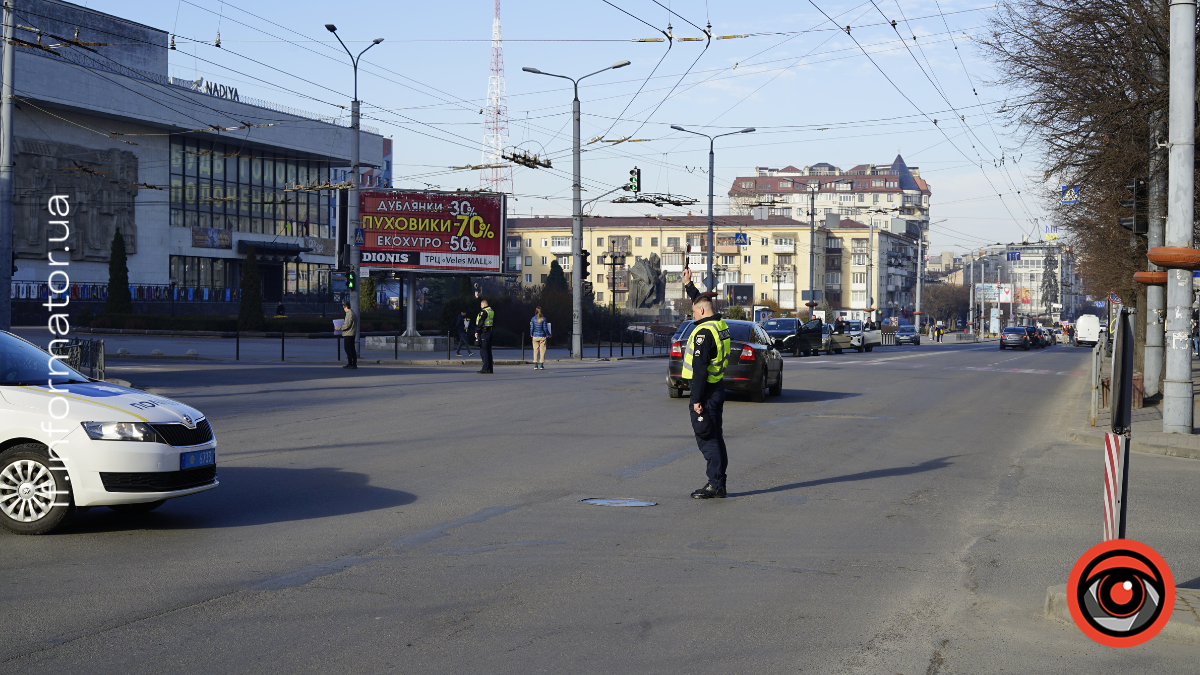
[[120, 431]]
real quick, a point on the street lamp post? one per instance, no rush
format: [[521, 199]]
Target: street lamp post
[[813, 189], [576, 212], [352, 196], [711, 282]]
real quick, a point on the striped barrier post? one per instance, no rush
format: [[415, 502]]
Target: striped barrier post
[[1116, 480], [1116, 440]]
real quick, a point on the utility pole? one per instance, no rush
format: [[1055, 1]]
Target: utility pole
[[1177, 385], [920, 279], [6, 170], [352, 196], [711, 281], [576, 212], [1156, 300], [870, 268]]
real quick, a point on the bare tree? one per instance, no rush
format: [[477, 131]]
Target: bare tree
[[1090, 91]]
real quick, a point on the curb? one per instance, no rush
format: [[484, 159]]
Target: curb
[[1184, 625], [1146, 447]]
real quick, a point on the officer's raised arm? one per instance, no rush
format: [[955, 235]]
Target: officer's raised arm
[[688, 286]]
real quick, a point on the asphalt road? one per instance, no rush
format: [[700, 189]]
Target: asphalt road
[[895, 512]]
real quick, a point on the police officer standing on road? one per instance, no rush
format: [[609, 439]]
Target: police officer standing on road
[[483, 324], [704, 364]]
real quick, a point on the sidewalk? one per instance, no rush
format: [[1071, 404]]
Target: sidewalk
[[303, 350], [1147, 436]]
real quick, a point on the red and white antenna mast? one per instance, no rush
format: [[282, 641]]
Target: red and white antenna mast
[[496, 120]]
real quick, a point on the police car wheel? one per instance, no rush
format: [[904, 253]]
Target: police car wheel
[[674, 392], [35, 494]]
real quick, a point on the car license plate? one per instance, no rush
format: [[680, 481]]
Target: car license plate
[[191, 460]]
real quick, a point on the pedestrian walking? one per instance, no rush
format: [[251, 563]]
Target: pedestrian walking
[[704, 361], [539, 332], [483, 334], [350, 338], [1195, 338], [464, 325]]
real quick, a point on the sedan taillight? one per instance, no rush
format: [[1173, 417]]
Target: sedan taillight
[[677, 349], [747, 353]]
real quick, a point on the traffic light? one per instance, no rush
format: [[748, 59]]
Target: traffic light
[[584, 264], [1134, 211], [635, 179], [351, 281]]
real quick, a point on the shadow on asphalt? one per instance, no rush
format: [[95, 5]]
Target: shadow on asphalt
[[251, 496], [927, 465]]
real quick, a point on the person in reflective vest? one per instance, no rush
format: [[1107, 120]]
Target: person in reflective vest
[[704, 362], [483, 324]]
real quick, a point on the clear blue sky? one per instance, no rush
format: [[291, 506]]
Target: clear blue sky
[[808, 88]]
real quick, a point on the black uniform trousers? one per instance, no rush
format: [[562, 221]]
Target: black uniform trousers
[[485, 350], [351, 343], [710, 434]]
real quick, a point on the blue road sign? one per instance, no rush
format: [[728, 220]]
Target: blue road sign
[[1014, 255], [741, 239], [1070, 194], [359, 238]]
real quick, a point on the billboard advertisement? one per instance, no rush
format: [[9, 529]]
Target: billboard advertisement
[[1026, 296], [426, 231], [993, 293]]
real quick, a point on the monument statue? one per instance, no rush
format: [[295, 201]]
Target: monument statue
[[100, 185], [647, 284]]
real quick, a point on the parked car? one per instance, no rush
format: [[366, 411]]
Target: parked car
[[754, 367], [864, 335], [112, 446], [907, 335], [784, 333], [1049, 336], [1087, 330], [1015, 337], [1035, 340]]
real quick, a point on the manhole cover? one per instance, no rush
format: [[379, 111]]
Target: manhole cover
[[605, 501]]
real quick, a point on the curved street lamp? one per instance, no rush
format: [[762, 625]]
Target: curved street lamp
[[576, 211], [352, 196], [710, 281]]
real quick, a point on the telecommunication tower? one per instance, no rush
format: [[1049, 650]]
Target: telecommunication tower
[[498, 179]]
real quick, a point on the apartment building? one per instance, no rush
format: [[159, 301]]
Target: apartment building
[[756, 258], [867, 193]]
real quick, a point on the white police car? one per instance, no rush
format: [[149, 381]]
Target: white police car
[[67, 442]]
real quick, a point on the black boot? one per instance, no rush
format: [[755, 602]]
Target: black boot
[[709, 492]]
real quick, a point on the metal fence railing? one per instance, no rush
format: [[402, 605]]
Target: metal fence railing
[[84, 355]]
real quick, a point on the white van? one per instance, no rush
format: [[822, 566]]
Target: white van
[[1087, 330]]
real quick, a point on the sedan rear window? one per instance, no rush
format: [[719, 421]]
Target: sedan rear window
[[1017, 331], [780, 324], [741, 332]]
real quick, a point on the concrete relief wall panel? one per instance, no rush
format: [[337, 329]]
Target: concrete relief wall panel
[[100, 185]]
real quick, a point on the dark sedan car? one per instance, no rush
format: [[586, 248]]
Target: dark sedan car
[[1035, 339], [1016, 337], [783, 333], [754, 366], [907, 335]]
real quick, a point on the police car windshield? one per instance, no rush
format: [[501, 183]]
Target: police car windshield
[[780, 324], [24, 363]]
